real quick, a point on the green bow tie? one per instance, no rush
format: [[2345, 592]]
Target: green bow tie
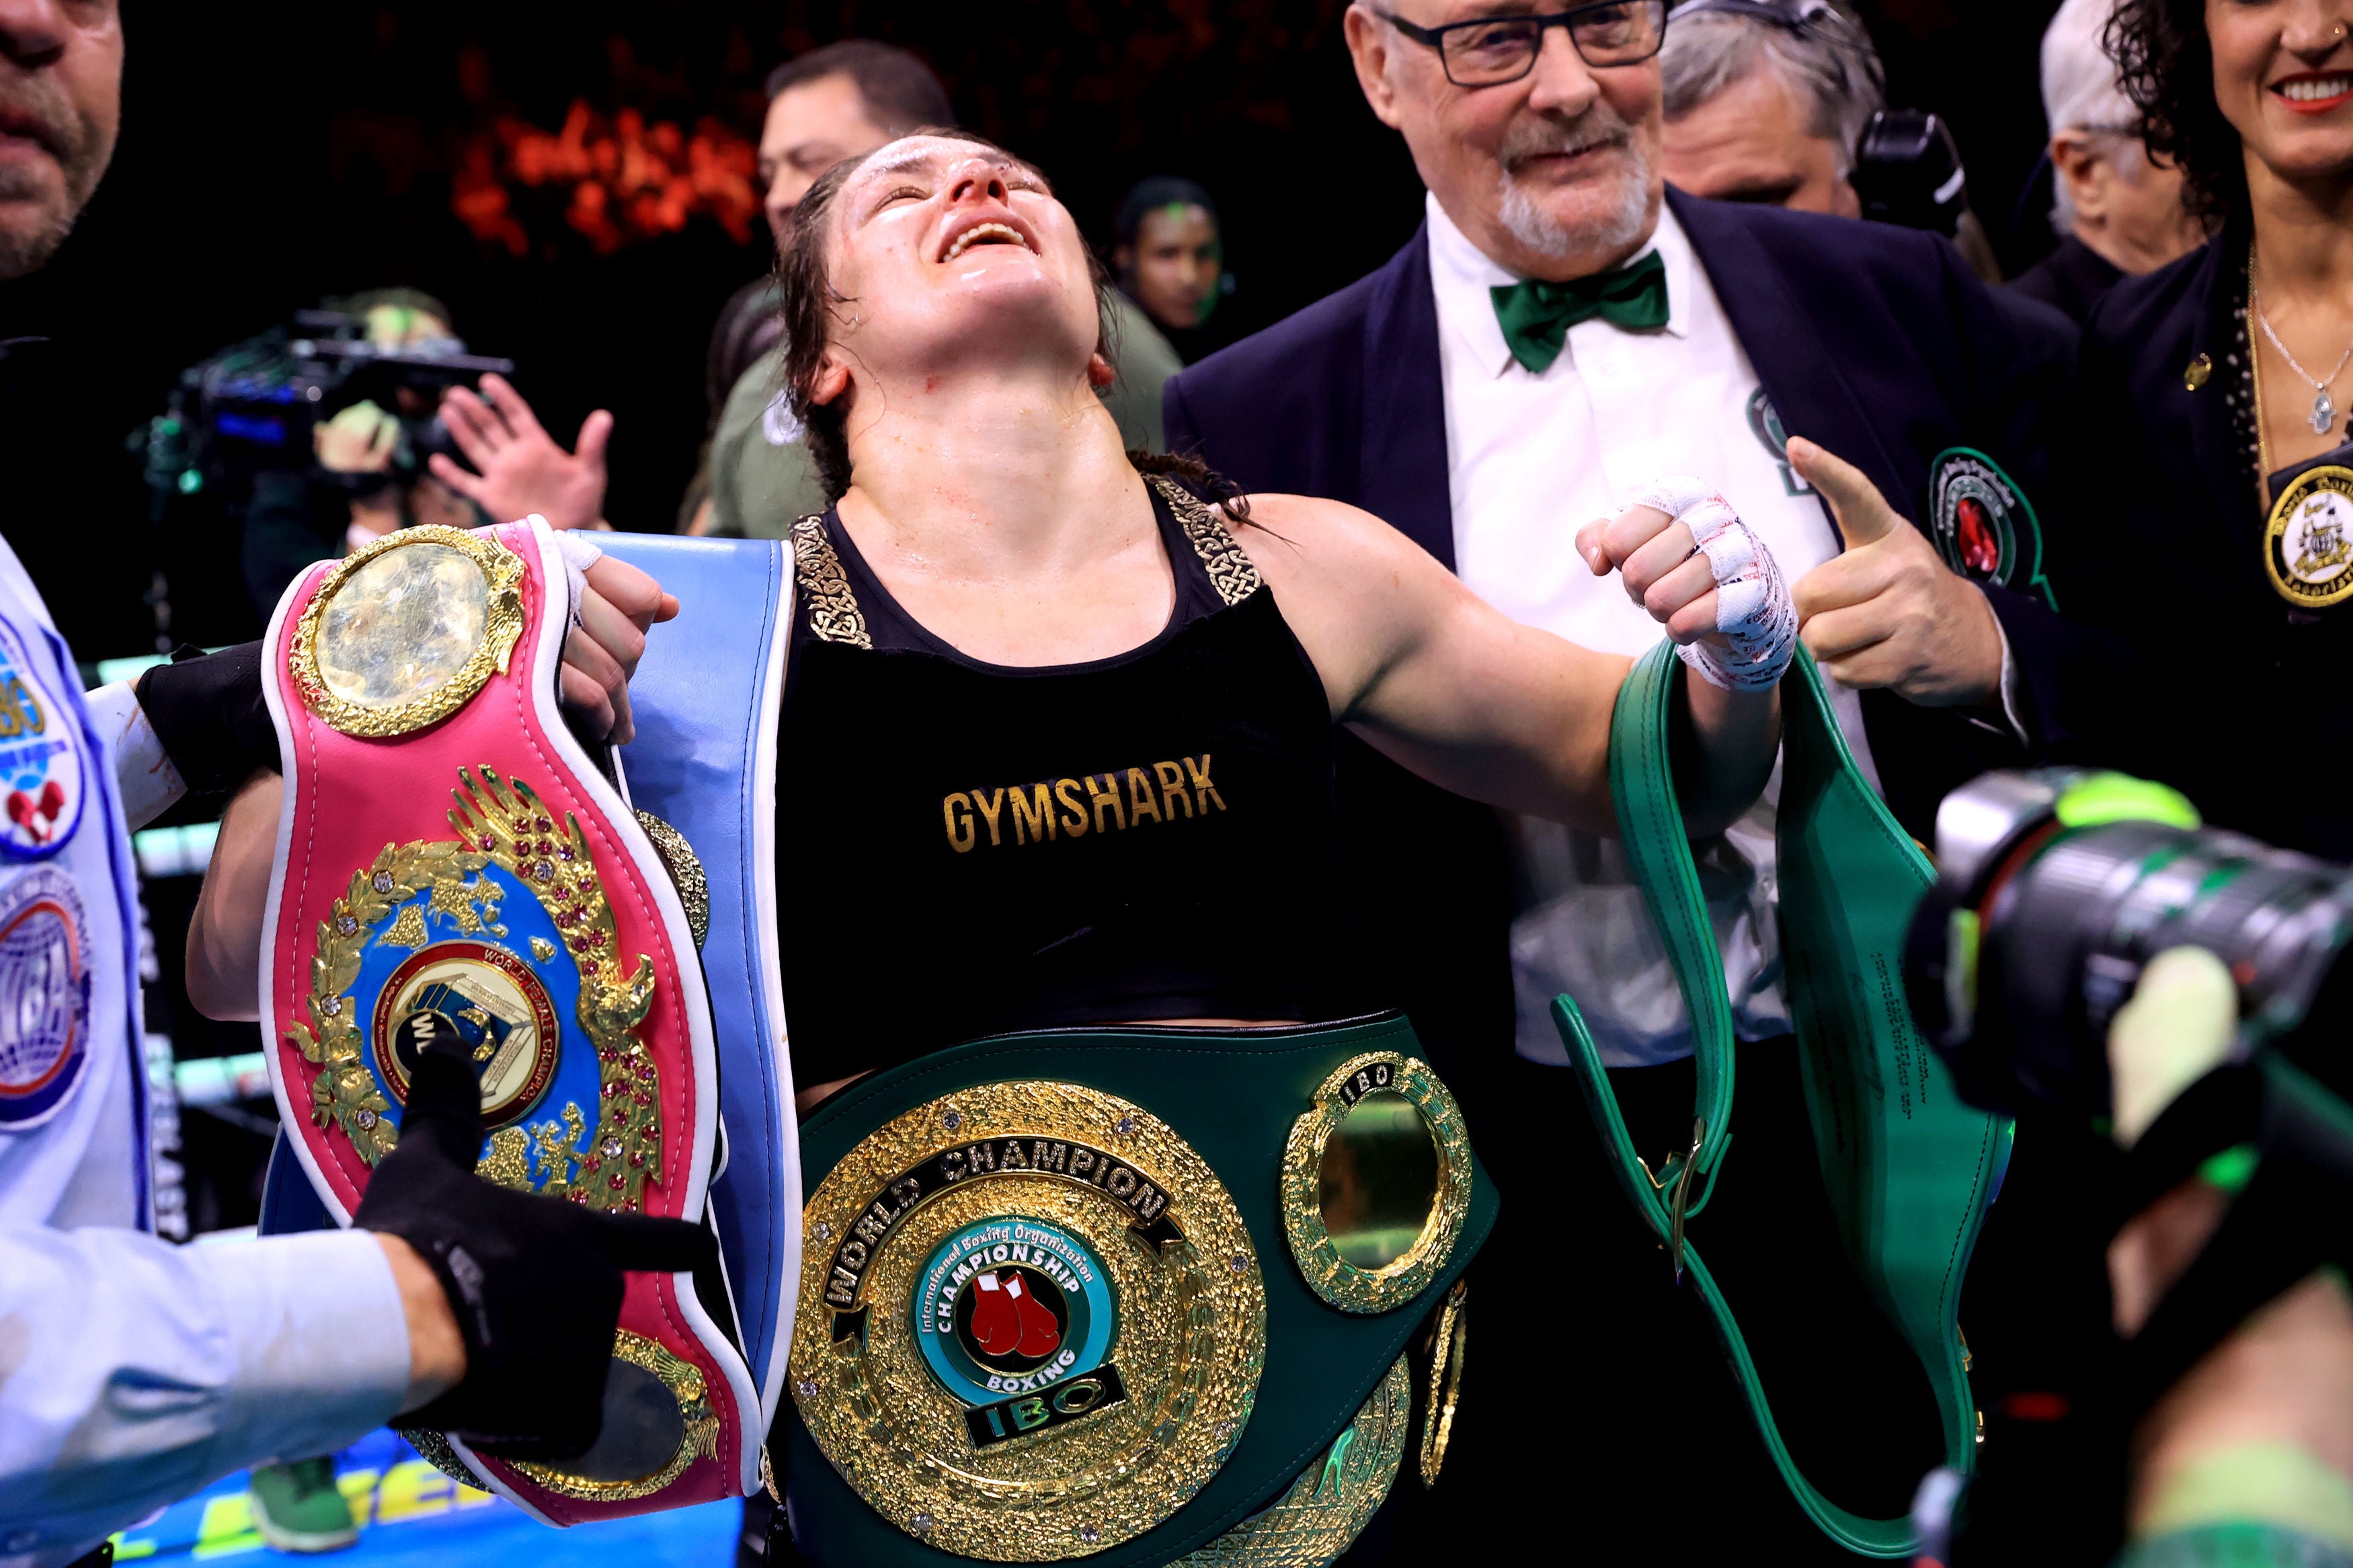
[[1536, 316]]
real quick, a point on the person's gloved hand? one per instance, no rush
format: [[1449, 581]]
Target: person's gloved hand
[[2176, 1030], [534, 1282]]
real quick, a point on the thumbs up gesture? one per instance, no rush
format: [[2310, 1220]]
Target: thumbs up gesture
[[1888, 612]]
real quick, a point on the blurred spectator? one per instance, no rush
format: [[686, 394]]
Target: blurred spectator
[[834, 103], [1168, 248], [368, 478], [829, 104], [2116, 210], [1768, 103], [748, 328], [1777, 101], [357, 493]]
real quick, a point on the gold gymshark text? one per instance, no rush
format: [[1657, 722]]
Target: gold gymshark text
[[1073, 809]]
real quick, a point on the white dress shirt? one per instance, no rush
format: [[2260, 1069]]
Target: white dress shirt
[[1530, 460]]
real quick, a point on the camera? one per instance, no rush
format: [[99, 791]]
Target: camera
[[252, 407], [1907, 170], [2056, 887]]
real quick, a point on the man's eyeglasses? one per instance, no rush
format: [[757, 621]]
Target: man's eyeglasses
[[1488, 51]]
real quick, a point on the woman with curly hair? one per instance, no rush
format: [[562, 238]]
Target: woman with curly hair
[[2207, 507], [2207, 524]]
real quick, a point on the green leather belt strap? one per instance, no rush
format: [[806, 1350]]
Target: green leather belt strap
[[1909, 1168], [1233, 1095]]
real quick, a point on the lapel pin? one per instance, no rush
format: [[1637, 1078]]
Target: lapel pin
[[2200, 371]]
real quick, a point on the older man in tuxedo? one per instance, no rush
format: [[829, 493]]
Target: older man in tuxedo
[[1561, 331]]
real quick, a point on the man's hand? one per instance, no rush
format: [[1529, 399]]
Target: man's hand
[[1888, 612], [518, 468], [359, 440], [601, 653]]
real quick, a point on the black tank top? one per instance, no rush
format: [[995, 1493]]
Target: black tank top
[[967, 848]]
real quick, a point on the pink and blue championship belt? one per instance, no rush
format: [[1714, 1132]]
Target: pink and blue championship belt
[[444, 844]]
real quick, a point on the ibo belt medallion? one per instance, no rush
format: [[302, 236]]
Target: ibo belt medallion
[[1376, 1182], [1031, 1322]]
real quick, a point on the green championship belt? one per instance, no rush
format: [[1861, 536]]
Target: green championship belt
[[1133, 1294], [1910, 1169]]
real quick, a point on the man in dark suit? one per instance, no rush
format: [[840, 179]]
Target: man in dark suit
[[1561, 331]]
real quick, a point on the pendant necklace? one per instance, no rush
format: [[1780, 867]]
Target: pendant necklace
[[2324, 408]]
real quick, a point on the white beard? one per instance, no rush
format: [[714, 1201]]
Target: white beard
[[1536, 228]]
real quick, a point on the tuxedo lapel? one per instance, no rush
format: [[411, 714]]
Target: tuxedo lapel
[[1787, 345], [2222, 468], [1404, 451]]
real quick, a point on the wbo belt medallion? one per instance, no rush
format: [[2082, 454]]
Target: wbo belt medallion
[[2308, 539], [1027, 1302], [446, 846]]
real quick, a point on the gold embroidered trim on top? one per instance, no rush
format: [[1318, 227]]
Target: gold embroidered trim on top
[[1231, 571], [834, 615]]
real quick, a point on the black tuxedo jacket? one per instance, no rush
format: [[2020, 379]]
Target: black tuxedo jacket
[[2193, 669], [1876, 342]]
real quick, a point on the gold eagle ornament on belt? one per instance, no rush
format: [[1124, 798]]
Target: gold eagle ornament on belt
[[1027, 1302]]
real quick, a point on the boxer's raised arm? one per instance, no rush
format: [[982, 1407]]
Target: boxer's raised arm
[[1477, 702]]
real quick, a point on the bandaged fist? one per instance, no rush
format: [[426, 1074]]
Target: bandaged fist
[[1889, 611], [618, 604], [1688, 559]]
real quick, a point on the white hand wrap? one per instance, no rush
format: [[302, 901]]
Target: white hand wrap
[[578, 555], [1752, 608]]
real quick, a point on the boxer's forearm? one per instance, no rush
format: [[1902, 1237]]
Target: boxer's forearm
[[1734, 735], [223, 966]]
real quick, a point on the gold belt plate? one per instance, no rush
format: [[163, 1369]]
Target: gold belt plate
[[1031, 1323], [1334, 1498]]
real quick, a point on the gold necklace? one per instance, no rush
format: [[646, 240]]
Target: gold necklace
[[2255, 379]]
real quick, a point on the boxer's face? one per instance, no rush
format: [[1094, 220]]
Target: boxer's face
[[1555, 175], [2284, 77], [946, 255], [60, 106]]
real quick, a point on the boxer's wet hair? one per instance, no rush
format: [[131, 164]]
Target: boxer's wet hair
[[809, 301]]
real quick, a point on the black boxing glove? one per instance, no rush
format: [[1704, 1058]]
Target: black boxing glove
[[534, 1282], [207, 710]]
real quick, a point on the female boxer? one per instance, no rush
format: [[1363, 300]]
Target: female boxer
[[1055, 751], [2192, 533], [1059, 732], [1066, 731]]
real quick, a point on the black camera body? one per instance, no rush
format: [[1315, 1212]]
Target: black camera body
[[1907, 171], [2056, 887], [253, 407]]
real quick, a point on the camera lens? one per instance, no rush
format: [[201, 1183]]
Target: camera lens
[[2021, 957]]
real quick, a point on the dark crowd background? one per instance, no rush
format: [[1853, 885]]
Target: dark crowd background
[[275, 153], [575, 183]]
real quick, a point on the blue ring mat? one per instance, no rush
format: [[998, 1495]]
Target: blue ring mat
[[412, 1515]]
